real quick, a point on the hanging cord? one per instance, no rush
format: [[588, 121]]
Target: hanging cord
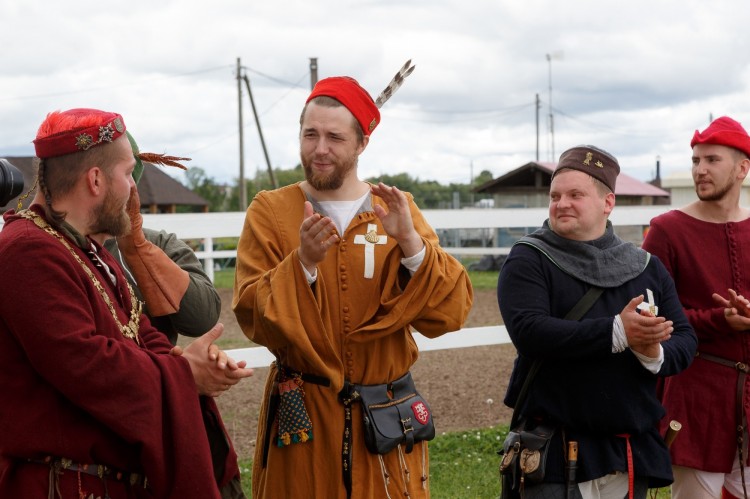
[[386, 476]]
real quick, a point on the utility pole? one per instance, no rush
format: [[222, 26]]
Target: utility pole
[[260, 133], [538, 106], [313, 72], [242, 186], [551, 116], [555, 55]]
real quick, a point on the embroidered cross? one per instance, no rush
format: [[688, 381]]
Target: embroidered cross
[[370, 240]]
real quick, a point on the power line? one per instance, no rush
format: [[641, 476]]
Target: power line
[[461, 116], [128, 83], [604, 128]]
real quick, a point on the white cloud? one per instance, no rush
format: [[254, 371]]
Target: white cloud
[[635, 78]]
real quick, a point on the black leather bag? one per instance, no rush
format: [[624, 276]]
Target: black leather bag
[[525, 454], [394, 413]]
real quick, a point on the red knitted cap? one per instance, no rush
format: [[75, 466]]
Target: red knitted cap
[[724, 131], [347, 91], [66, 132]]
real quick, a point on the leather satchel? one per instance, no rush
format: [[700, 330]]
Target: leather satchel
[[394, 413], [525, 454]]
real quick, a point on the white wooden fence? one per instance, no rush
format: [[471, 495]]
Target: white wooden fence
[[209, 226]]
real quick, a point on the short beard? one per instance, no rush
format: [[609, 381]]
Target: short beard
[[330, 181], [110, 218], [717, 195]]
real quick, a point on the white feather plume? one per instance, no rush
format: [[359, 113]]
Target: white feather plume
[[395, 83]]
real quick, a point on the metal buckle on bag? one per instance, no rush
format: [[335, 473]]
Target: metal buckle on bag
[[406, 425]]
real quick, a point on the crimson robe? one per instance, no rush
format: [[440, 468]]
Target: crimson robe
[[74, 387]]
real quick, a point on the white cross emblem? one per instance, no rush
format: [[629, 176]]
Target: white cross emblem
[[370, 240]]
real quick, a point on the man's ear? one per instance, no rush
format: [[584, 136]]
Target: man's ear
[[363, 145], [744, 168], [609, 202], [95, 180]]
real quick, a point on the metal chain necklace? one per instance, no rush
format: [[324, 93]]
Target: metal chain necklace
[[129, 330]]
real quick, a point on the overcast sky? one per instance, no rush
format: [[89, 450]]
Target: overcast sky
[[635, 78]]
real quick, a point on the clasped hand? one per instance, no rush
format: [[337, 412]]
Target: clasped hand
[[213, 370], [736, 310], [644, 330]]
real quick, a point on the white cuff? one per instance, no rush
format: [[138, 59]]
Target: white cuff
[[413, 262], [651, 364], [311, 278], [619, 340]]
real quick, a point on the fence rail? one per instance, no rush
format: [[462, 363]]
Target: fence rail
[[207, 227]]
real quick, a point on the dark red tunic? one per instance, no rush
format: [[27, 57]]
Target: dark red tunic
[[705, 258], [75, 387]]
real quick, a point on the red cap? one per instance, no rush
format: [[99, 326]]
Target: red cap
[[66, 132], [724, 131], [347, 91]]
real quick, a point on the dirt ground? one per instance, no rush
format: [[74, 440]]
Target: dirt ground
[[464, 386]]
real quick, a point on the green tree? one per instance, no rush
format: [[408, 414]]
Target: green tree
[[216, 194]]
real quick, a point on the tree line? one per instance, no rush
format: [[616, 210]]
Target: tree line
[[428, 194]]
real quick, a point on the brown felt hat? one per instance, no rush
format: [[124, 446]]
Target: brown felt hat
[[591, 160]]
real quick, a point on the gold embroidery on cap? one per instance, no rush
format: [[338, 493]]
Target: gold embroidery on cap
[[118, 125], [588, 158], [599, 164], [372, 237], [373, 124]]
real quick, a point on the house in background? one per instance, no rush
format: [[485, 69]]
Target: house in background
[[528, 187], [682, 189], [159, 192]]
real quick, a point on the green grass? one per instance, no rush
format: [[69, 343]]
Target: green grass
[[224, 278], [483, 279], [479, 279], [462, 465]]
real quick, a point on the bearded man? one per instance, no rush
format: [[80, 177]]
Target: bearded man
[[332, 273], [96, 402], [705, 246]]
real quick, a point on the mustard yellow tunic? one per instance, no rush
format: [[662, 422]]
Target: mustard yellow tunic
[[345, 326]]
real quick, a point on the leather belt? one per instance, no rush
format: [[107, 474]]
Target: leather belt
[[742, 369], [99, 470]]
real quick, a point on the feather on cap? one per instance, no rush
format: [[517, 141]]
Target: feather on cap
[[150, 157], [724, 131]]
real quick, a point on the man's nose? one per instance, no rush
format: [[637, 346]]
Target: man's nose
[[563, 202], [321, 147]]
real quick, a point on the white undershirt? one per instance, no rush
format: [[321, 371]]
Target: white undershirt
[[342, 212]]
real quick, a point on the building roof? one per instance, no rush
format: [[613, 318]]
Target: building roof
[[538, 174], [155, 187]]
